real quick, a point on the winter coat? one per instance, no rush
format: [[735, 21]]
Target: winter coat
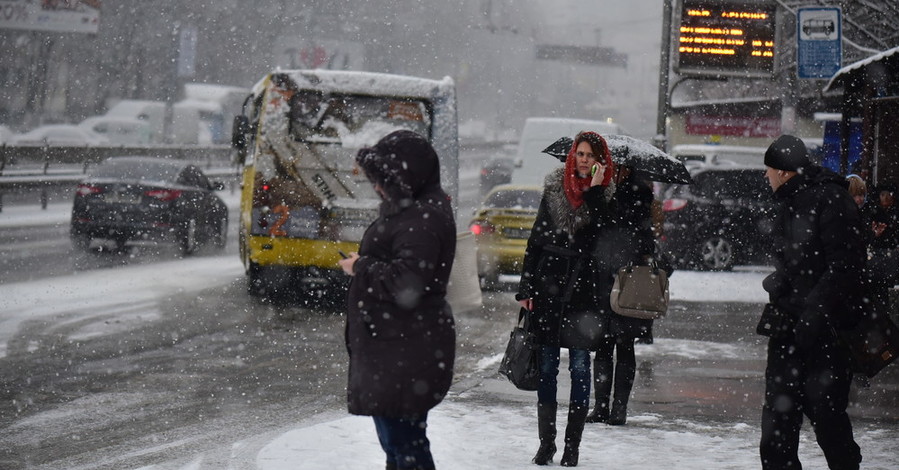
[[889, 239], [818, 278], [558, 271], [627, 239], [400, 332]]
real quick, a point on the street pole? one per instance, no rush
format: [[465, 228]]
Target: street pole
[[788, 80], [661, 138]]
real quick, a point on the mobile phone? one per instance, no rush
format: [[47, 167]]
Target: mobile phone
[[593, 169], [342, 254]]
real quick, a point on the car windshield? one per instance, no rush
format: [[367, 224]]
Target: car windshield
[[513, 199], [735, 184], [354, 121], [144, 170]]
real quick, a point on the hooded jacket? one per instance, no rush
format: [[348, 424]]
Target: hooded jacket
[[820, 263], [559, 268], [400, 333]]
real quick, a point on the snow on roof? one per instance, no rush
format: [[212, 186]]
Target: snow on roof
[[366, 83], [202, 105], [130, 107], [837, 77], [211, 92]]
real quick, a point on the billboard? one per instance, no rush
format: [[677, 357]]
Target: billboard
[[720, 37], [63, 16]]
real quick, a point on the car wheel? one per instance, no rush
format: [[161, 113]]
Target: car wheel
[[188, 240], [81, 242], [716, 254], [220, 233]]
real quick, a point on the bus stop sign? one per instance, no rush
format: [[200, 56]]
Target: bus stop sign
[[819, 35]]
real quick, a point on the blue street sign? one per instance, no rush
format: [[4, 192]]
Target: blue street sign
[[819, 33]]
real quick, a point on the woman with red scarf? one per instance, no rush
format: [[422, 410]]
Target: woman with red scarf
[[559, 287]]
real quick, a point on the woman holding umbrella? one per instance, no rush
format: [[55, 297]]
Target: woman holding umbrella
[[624, 237], [558, 286]]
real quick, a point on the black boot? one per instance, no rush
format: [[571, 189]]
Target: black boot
[[573, 432], [618, 416], [546, 427], [602, 387], [625, 371]]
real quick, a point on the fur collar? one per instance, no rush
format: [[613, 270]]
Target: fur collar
[[560, 210]]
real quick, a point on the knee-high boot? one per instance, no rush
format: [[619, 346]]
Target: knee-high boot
[[624, 382], [573, 432], [546, 428], [602, 389]]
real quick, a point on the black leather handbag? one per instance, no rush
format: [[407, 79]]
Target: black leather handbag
[[521, 363], [872, 344], [774, 322]]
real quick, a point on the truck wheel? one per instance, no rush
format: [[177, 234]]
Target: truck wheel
[[255, 282], [490, 281]]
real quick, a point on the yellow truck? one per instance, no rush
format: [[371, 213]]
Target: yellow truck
[[303, 200]]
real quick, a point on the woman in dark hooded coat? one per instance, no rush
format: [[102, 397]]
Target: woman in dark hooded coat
[[558, 285], [627, 239], [400, 332]]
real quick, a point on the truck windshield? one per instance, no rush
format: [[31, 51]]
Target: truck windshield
[[354, 121]]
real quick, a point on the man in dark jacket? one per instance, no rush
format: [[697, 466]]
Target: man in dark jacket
[[400, 333], [817, 285]]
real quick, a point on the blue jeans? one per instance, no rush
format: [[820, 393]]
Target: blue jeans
[[404, 441], [578, 365]]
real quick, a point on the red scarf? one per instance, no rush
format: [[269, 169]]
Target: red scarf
[[574, 185]]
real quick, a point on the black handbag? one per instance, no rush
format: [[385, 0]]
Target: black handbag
[[774, 322], [521, 364], [872, 344]]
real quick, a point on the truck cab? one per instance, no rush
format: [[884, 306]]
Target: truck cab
[[303, 199]]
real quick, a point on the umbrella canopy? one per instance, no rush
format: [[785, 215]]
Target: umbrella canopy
[[641, 156]]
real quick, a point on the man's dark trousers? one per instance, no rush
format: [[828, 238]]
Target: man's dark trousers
[[816, 386]]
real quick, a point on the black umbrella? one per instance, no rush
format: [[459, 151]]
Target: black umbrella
[[641, 156]]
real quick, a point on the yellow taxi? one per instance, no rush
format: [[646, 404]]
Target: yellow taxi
[[501, 226]]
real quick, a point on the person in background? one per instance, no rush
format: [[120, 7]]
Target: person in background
[[882, 221], [400, 332], [858, 190], [558, 282], [627, 239], [818, 286]]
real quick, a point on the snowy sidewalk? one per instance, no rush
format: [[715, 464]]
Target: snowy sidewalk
[[494, 427]]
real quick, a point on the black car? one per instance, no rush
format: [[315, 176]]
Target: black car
[[725, 217], [496, 172], [148, 199]]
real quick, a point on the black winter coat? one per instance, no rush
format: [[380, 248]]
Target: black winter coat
[[400, 332], [559, 270], [819, 272], [628, 238]]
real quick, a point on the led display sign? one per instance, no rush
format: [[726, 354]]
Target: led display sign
[[726, 38]]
